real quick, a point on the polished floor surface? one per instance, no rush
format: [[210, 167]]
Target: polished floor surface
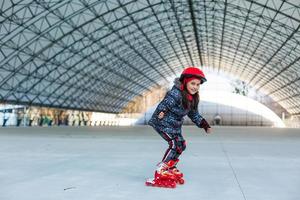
[[99, 163]]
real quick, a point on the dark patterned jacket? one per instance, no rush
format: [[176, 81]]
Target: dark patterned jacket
[[174, 112]]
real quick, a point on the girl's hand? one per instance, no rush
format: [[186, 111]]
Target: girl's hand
[[161, 115], [205, 126], [209, 130]]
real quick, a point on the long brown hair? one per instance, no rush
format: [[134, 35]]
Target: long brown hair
[[187, 104]]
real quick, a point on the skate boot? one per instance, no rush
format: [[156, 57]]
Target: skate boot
[[162, 177], [178, 175]]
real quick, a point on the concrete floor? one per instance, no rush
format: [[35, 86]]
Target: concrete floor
[[100, 163]]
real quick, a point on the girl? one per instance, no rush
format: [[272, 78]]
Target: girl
[[167, 120]]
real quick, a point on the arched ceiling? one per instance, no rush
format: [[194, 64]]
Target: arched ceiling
[[98, 55]]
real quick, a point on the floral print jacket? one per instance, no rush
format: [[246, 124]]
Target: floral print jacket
[[174, 112]]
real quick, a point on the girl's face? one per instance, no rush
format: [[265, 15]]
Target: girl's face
[[193, 86]]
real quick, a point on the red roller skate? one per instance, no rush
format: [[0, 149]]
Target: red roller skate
[[162, 177], [178, 175]]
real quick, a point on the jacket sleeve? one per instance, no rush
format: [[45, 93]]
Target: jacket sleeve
[[195, 117], [171, 99]]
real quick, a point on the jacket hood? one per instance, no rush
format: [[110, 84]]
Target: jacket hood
[[177, 83]]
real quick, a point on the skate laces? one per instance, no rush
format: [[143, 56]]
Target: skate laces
[[163, 169], [161, 166]]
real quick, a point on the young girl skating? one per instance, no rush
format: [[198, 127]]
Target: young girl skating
[[167, 120]]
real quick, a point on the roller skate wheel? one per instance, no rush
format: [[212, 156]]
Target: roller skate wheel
[[181, 181]]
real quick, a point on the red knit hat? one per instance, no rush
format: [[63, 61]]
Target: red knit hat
[[186, 80], [192, 72]]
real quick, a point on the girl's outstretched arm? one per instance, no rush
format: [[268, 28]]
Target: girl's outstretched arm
[[199, 120], [195, 117]]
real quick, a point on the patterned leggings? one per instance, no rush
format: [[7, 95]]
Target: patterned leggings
[[177, 145]]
